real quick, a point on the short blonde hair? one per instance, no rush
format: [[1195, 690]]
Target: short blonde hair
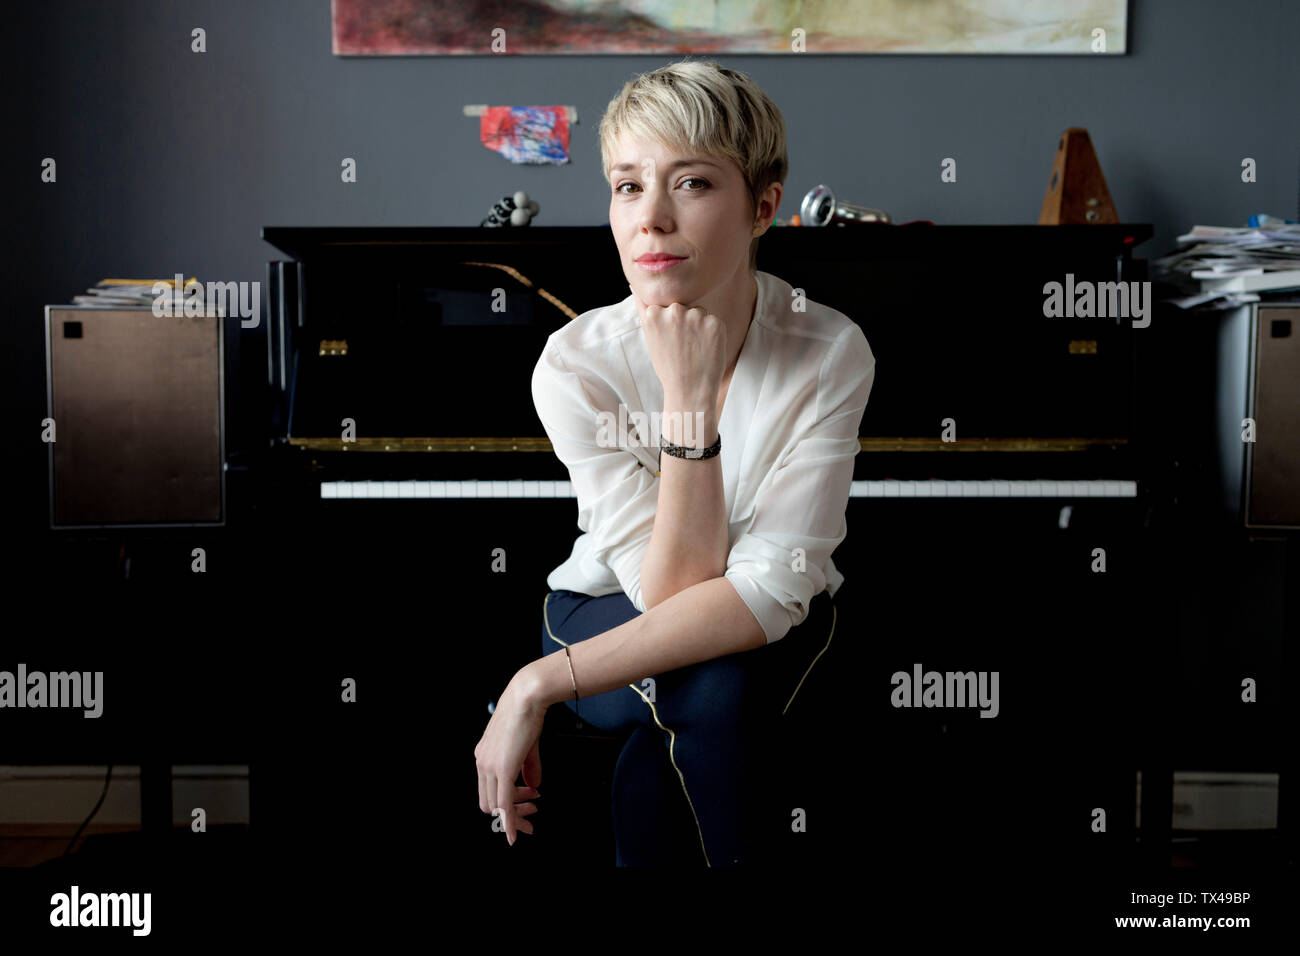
[[702, 108]]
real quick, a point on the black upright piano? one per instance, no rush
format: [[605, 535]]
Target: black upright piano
[[399, 437]]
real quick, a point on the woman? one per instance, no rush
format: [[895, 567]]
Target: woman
[[698, 596]]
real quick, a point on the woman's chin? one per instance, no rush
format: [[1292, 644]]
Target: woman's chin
[[661, 290]]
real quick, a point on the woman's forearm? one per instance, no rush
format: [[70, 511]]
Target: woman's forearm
[[704, 621], [689, 541]]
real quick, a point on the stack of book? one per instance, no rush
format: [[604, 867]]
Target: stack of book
[[125, 291], [1227, 266]]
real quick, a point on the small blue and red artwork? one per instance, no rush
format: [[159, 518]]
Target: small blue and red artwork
[[527, 134]]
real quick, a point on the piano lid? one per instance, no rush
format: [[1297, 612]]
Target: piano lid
[[395, 331]]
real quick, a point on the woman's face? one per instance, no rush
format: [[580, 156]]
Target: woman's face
[[695, 207]]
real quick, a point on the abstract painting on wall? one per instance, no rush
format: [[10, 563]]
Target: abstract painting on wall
[[484, 27]]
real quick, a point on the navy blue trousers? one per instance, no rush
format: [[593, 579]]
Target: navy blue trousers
[[702, 752]]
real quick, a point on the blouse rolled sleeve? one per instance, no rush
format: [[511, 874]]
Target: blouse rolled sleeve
[[617, 494], [803, 504]]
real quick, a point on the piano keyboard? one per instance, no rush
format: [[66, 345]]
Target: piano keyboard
[[933, 488]]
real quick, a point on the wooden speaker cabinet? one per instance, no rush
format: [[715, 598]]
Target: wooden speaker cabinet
[[1272, 481], [1258, 378], [137, 403]]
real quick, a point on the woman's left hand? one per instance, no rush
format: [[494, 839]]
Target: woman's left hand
[[509, 745]]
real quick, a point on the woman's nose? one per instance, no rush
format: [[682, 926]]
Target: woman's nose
[[655, 211]]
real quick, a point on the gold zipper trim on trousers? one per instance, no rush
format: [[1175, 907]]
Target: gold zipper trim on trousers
[[834, 616], [672, 737]]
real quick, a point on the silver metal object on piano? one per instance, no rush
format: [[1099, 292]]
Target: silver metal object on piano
[[821, 208]]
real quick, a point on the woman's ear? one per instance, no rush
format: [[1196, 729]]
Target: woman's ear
[[768, 204]]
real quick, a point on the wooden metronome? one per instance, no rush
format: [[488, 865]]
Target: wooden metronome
[[1077, 191]]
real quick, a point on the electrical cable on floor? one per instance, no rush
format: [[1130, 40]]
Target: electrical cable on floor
[[108, 775]]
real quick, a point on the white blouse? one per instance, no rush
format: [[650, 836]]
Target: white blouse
[[789, 430]]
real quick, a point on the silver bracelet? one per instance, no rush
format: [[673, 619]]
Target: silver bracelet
[[685, 451]]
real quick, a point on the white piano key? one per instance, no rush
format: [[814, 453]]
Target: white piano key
[[515, 488], [422, 489], [498, 490], [329, 489], [564, 489], [406, 489], [1128, 489], [907, 489], [389, 490], [546, 489], [531, 489], [939, 488], [1049, 489], [924, 489], [891, 489], [1018, 489]]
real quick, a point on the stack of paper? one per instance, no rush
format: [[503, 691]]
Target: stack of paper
[[1226, 266], [125, 291]]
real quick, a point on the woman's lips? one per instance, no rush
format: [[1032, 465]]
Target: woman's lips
[[658, 265]]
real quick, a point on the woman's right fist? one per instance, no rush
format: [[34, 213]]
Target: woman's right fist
[[688, 348]]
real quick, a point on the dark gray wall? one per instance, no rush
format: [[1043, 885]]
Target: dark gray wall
[[169, 161]]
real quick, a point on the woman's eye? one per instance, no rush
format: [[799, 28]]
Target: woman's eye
[[692, 179]]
